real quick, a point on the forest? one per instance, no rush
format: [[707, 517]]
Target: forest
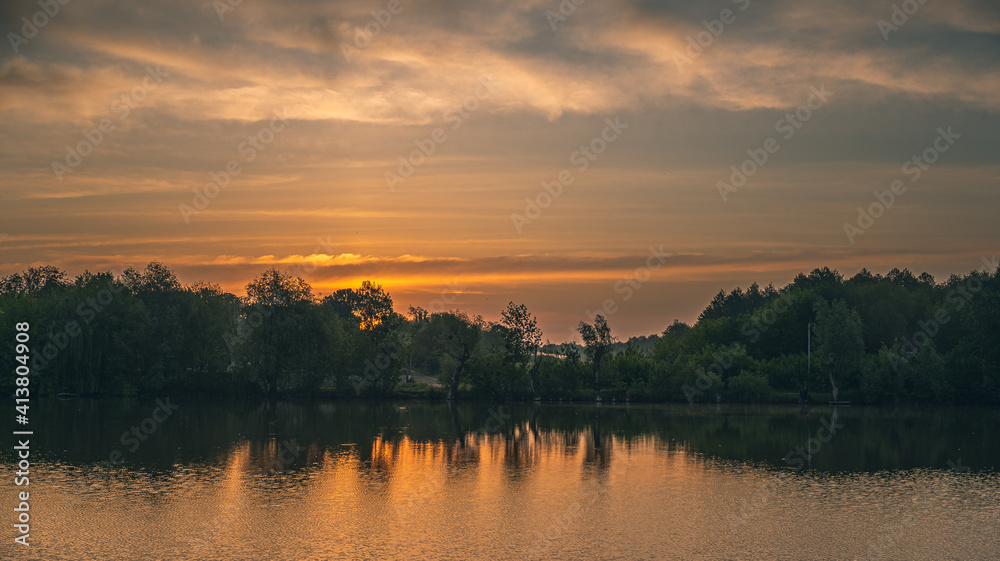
[[868, 339]]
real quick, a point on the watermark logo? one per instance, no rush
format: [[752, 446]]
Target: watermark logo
[[697, 44], [551, 190], [249, 148], [363, 35], [92, 138], [899, 17], [788, 125], [914, 168], [31, 27]]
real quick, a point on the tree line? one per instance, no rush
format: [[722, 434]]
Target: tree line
[[869, 339]]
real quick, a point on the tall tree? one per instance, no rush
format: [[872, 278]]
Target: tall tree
[[525, 338], [373, 306], [272, 301], [455, 335], [839, 342], [598, 342]]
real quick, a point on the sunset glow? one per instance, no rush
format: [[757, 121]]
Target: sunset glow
[[470, 154]]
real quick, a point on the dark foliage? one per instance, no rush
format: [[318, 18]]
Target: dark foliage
[[894, 338]]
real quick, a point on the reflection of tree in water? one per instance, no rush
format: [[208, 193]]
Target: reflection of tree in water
[[85, 433], [597, 452], [461, 445], [520, 450], [383, 452], [517, 439]]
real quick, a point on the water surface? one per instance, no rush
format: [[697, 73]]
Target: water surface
[[293, 480]]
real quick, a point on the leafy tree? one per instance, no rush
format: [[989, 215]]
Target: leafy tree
[[34, 280], [276, 301], [839, 342], [455, 335], [492, 369], [342, 303], [748, 387], [524, 339], [143, 332], [373, 306], [598, 341], [632, 368]]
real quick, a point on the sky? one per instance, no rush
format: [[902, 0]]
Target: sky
[[629, 158]]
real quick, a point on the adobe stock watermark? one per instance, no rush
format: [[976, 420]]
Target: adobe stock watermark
[[629, 284], [432, 484], [566, 9], [248, 149], [223, 7], [956, 299], [799, 457], [456, 115], [696, 44], [914, 168], [253, 320], [133, 439], [762, 320], [307, 268], [899, 17], [551, 190], [31, 27], [363, 35], [591, 492], [391, 350], [210, 529], [922, 503], [753, 330], [59, 339], [122, 106], [789, 125]]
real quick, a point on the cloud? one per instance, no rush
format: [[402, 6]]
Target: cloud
[[267, 56], [350, 122]]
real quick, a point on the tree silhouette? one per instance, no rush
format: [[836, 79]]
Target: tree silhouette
[[597, 342], [275, 298], [524, 339], [839, 342]]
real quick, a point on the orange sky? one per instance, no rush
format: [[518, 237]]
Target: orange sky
[[486, 102]]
